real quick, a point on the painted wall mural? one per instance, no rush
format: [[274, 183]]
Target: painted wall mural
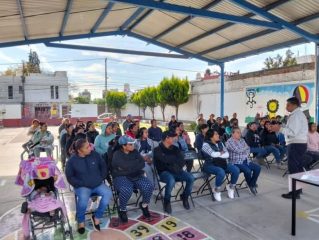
[[271, 100]]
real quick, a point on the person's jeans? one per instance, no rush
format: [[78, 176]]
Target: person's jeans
[[275, 151], [260, 151], [125, 188], [251, 172], [282, 150], [220, 173], [83, 195], [37, 150], [170, 179]]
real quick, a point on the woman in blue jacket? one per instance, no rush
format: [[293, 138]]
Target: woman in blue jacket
[[101, 143]]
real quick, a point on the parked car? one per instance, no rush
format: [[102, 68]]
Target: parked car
[[105, 118]]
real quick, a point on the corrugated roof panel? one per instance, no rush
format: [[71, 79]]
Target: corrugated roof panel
[[262, 3], [312, 26], [11, 29], [228, 7], [207, 42], [35, 7], [190, 3], [81, 22], [226, 52], [115, 19], [296, 9], [206, 24], [186, 31], [82, 5], [157, 22], [8, 7], [238, 31], [44, 25], [271, 39]]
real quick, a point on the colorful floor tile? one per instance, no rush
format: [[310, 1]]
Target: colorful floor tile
[[159, 227]]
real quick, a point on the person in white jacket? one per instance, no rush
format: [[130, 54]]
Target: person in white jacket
[[295, 132]]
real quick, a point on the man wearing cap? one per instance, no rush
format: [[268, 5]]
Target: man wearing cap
[[127, 122], [128, 174], [295, 133], [169, 162]]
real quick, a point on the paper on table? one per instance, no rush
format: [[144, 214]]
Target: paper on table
[[310, 177]]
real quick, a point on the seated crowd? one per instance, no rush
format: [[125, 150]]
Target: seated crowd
[[142, 158]]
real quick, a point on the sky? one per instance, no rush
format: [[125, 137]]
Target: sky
[[86, 69]]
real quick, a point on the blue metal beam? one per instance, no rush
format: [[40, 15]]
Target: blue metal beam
[[131, 18], [222, 89], [24, 26], [258, 11], [258, 34], [66, 16], [226, 25], [102, 17], [171, 48], [198, 12], [62, 38], [114, 50], [185, 20], [265, 49]]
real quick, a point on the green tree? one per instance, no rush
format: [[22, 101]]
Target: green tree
[[279, 61], [99, 101], [33, 65], [161, 101], [82, 100], [174, 91], [116, 101], [136, 99], [149, 98]]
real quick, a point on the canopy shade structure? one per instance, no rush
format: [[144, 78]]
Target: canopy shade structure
[[214, 31]]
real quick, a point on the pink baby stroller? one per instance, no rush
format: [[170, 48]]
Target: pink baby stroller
[[40, 180]]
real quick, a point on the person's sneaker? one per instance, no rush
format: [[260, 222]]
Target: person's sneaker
[[185, 202], [251, 189], [145, 211], [95, 226], [167, 207], [289, 195], [24, 207], [217, 195], [230, 191], [81, 230], [123, 216]]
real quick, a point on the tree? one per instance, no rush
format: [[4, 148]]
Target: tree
[[278, 61], [161, 100], [116, 101], [33, 65], [174, 91], [99, 101], [149, 98], [82, 100], [136, 99]]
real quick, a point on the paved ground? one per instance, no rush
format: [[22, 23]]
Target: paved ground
[[266, 216]]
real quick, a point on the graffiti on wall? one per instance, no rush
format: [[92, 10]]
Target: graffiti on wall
[[271, 100]]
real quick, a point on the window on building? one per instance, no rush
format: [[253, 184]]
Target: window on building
[[20, 90], [10, 92], [52, 92], [56, 92]]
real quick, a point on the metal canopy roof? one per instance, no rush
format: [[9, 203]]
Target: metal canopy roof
[[214, 31]]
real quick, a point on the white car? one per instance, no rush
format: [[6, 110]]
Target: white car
[[105, 118]]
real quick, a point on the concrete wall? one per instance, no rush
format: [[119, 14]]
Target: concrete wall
[[83, 110], [10, 111]]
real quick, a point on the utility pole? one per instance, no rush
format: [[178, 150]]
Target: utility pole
[[23, 91], [105, 77]]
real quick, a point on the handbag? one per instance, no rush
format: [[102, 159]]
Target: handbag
[[220, 162]]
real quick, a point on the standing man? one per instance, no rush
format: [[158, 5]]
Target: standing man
[[127, 122], [296, 138]]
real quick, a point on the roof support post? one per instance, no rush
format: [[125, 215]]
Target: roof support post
[[195, 12], [131, 18], [24, 26], [317, 82], [292, 27], [222, 89]]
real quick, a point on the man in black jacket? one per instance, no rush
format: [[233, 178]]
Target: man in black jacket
[[253, 141], [169, 163]]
